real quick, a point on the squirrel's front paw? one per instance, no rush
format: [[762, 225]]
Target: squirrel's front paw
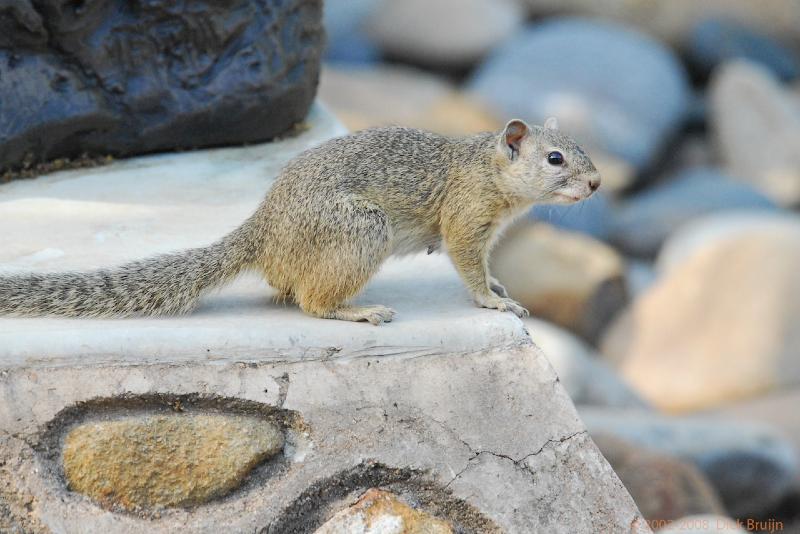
[[513, 306], [503, 304]]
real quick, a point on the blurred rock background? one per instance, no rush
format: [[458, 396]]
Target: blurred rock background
[[670, 302]]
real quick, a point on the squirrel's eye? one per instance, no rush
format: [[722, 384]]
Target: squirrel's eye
[[555, 158]]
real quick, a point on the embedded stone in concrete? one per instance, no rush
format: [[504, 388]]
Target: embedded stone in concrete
[[381, 512], [166, 460], [448, 394]]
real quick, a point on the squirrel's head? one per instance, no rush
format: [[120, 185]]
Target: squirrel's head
[[542, 164]]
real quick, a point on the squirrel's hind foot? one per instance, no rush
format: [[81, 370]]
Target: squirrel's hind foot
[[373, 314]]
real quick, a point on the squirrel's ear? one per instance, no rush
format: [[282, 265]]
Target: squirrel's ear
[[551, 123], [513, 134]]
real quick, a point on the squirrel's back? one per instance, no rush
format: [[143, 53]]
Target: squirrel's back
[[404, 170]]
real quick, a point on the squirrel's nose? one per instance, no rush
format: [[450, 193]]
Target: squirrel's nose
[[594, 183]]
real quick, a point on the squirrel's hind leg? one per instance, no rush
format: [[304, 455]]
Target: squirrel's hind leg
[[358, 244]]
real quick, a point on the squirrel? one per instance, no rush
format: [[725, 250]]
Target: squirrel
[[334, 214]]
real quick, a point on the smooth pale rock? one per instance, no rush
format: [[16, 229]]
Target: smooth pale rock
[[712, 229], [443, 33], [580, 72], [645, 220], [446, 396], [566, 278], [721, 325], [702, 523], [664, 488], [585, 376], [752, 466], [384, 95], [166, 460], [716, 41], [640, 275], [381, 512], [778, 409], [756, 126], [674, 21]]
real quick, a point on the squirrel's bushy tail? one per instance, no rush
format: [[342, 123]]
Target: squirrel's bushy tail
[[162, 285]]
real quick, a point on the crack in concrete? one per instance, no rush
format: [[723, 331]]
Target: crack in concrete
[[461, 472], [549, 441], [519, 463]]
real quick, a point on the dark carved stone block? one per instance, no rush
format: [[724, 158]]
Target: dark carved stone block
[[127, 77]]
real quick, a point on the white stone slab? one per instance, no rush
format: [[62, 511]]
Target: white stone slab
[[89, 218]]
